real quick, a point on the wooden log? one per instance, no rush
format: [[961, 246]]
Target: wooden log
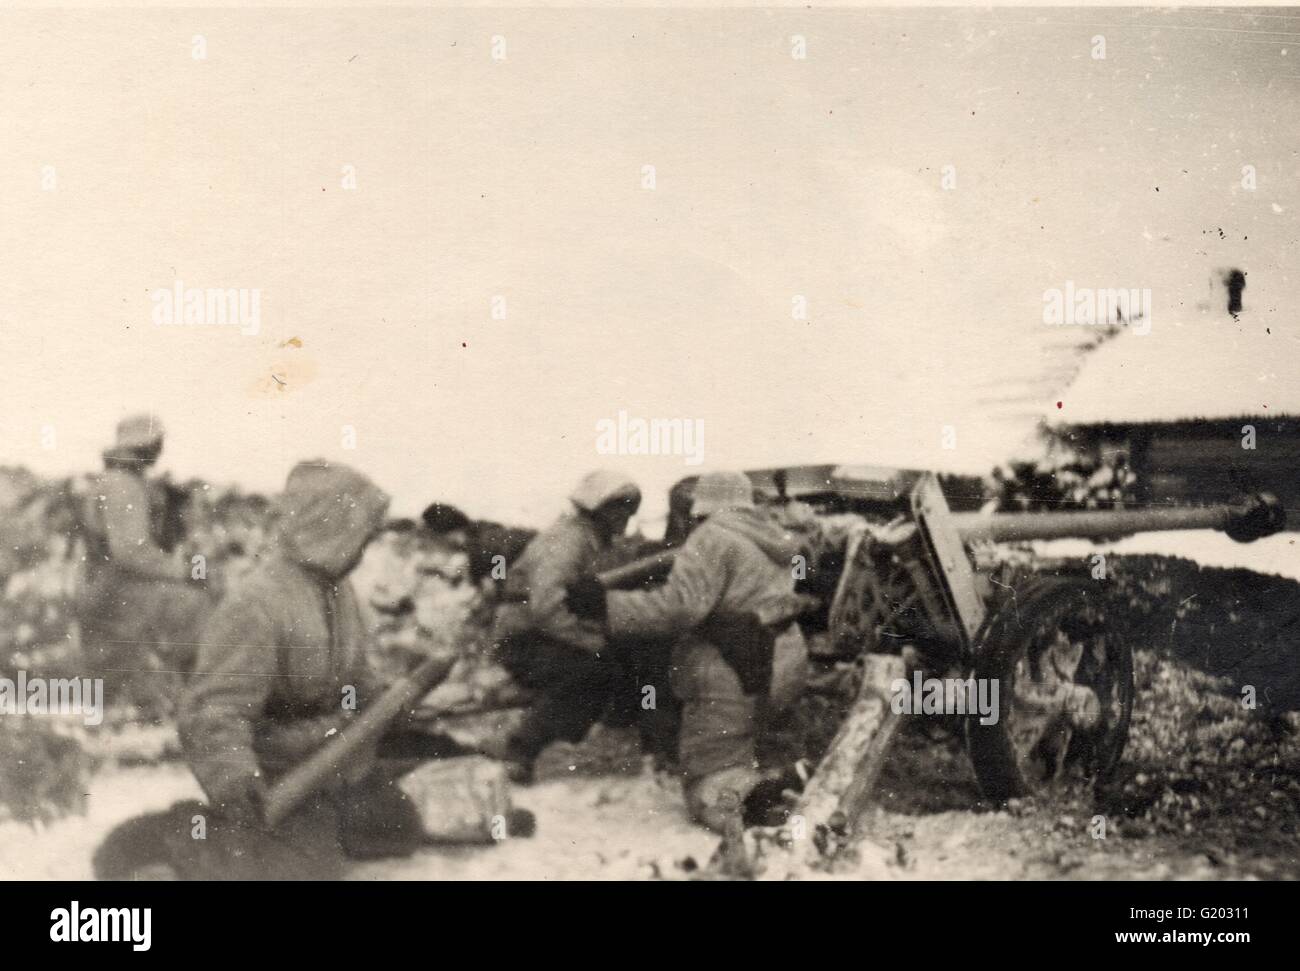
[[322, 765], [849, 770], [825, 819]]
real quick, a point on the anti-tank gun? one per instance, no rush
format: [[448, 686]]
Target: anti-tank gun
[[898, 590]]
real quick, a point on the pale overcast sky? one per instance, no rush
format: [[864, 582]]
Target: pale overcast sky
[[775, 177]]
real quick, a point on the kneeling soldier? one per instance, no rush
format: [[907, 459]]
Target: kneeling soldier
[[562, 658], [731, 580], [282, 667]]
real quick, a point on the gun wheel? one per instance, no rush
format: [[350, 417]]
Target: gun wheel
[[1065, 692]]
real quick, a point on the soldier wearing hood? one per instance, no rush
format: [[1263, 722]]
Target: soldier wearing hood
[[563, 659], [737, 564], [282, 666]]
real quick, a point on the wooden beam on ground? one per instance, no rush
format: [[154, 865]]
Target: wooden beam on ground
[[825, 819]]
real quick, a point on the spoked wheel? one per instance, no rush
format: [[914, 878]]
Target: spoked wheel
[[874, 591], [1065, 692], [857, 608]]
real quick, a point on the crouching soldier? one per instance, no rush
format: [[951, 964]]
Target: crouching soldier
[[731, 583], [282, 667], [561, 658]]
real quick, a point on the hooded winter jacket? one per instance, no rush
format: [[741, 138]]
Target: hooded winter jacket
[[533, 599], [277, 657], [738, 559]]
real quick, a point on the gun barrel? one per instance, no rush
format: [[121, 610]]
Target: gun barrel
[[1257, 516]]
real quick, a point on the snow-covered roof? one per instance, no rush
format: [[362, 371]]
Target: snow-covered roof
[[1210, 367]]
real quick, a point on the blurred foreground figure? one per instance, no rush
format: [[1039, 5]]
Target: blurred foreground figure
[[729, 583], [282, 667], [138, 597], [563, 659], [282, 671]]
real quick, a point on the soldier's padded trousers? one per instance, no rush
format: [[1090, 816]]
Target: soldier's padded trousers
[[717, 745], [719, 720], [571, 687], [365, 822]]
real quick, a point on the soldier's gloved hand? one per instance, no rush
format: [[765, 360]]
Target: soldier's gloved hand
[[745, 643], [585, 597]]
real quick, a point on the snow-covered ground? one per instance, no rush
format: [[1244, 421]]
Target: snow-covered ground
[[62, 850], [634, 828], [612, 827], [1278, 554]]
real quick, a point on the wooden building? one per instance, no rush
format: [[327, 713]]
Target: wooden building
[[1202, 411]]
